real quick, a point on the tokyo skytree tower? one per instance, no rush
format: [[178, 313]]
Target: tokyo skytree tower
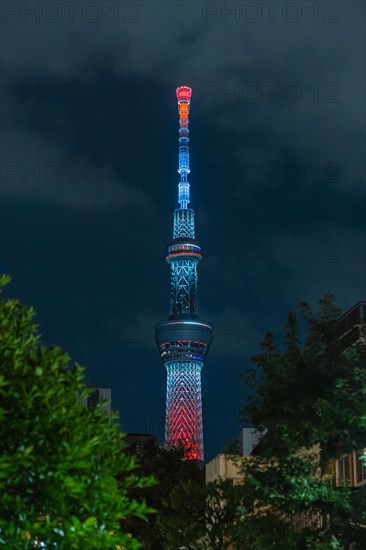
[[184, 340]]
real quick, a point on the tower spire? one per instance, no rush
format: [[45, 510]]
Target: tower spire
[[184, 341], [184, 94], [183, 216]]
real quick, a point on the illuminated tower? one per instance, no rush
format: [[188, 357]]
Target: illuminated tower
[[183, 340]]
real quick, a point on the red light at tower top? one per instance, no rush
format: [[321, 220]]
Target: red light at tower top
[[184, 93]]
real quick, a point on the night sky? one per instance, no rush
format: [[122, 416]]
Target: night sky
[[89, 180]]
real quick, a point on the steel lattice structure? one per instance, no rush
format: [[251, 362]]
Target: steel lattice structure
[[183, 340]]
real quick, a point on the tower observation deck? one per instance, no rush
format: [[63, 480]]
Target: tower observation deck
[[184, 340]]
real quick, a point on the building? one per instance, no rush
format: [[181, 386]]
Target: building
[[139, 439], [184, 340], [248, 439], [228, 466], [224, 467], [353, 325], [350, 469], [100, 394]]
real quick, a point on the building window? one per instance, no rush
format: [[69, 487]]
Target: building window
[[343, 471], [93, 399], [360, 470]]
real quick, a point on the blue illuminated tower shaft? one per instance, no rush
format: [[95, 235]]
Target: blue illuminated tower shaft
[[183, 340]]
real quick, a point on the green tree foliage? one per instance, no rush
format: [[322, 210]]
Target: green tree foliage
[[262, 532], [169, 470], [311, 397], [200, 515], [190, 514], [59, 462]]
